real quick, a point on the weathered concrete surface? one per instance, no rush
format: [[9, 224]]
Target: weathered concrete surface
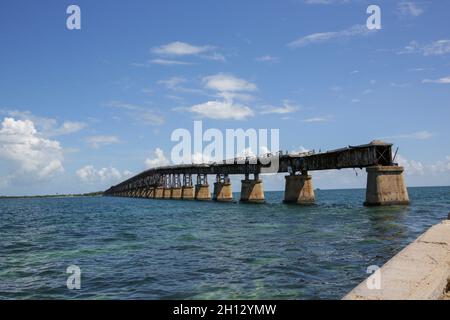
[[202, 192], [222, 192], [151, 192], [386, 186], [420, 271], [252, 191], [188, 193], [159, 193], [167, 193], [299, 189], [176, 193]]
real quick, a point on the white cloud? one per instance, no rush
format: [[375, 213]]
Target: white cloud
[[68, 127], [436, 48], [168, 62], [317, 119], [285, 109], [267, 58], [139, 113], [445, 80], [417, 168], [229, 88], [228, 83], [412, 167], [321, 37], [420, 135], [89, 174], [175, 84], [159, 160], [99, 141], [222, 110], [409, 9], [47, 126], [26, 153], [181, 49]]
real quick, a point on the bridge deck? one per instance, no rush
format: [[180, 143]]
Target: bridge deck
[[374, 154]]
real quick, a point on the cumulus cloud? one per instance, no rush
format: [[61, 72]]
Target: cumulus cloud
[[47, 126], [26, 153], [99, 141], [182, 49], [322, 37], [221, 110], [159, 160], [230, 89], [89, 174], [417, 168], [227, 83], [179, 48]]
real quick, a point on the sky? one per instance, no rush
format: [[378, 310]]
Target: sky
[[81, 110]]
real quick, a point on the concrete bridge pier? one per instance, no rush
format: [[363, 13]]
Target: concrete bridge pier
[[159, 189], [252, 191], [159, 192], [202, 192], [222, 189], [386, 186], [167, 187], [150, 192], [299, 189], [176, 187], [187, 191]]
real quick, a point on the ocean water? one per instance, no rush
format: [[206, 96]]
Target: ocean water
[[165, 249]]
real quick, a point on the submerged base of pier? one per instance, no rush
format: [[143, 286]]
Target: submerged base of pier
[[386, 186], [159, 193], [222, 192], [252, 191], [299, 189], [202, 192], [188, 193]]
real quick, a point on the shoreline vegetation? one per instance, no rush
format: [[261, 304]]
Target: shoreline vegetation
[[90, 194]]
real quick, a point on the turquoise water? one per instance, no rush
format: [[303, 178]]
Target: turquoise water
[[163, 249]]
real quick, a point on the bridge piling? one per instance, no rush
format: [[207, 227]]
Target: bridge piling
[[176, 187], [167, 194], [386, 186], [299, 189], [252, 191], [202, 192], [222, 189], [187, 192]]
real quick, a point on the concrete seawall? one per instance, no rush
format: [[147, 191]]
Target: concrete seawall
[[421, 271]]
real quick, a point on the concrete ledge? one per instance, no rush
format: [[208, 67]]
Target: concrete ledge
[[421, 271]]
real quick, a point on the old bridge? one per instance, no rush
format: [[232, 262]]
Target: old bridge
[[385, 184]]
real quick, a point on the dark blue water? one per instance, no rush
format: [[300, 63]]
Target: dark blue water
[[165, 249]]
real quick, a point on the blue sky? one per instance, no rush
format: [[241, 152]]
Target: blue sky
[[81, 110]]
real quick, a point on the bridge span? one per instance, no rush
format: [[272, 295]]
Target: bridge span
[[385, 183]]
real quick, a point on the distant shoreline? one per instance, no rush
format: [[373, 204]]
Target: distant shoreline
[[91, 194]]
